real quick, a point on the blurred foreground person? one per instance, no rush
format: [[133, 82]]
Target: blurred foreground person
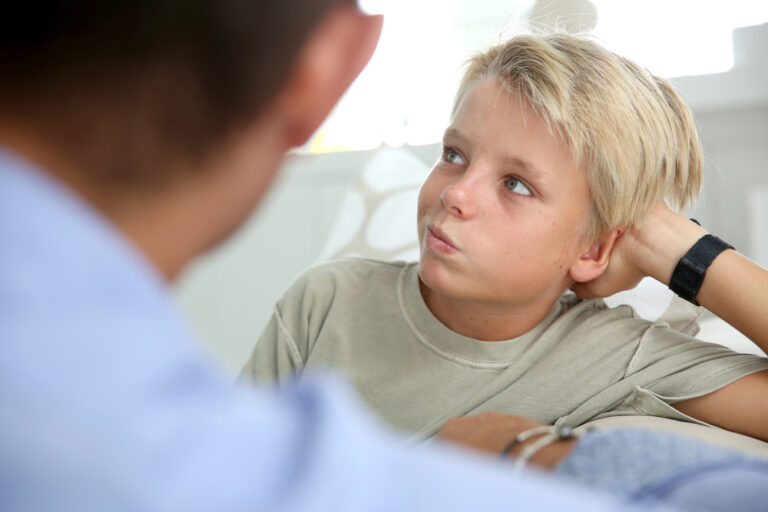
[[134, 137]]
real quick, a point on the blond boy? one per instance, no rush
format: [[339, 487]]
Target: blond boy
[[554, 175]]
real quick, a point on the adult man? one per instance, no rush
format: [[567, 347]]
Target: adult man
[[134, 136]]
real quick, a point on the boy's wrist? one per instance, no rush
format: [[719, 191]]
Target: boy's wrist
[[688, 276], [661, 240], [548, 456]]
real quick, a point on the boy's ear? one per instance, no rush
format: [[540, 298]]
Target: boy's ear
[[336, 52], [594, 261]]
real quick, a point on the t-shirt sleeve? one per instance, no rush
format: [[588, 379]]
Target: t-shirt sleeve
[[682, 367], [284, 346], [669, 367], [276, 356]]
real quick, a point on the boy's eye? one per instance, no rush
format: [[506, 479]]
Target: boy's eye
[[515, 185], [451, 156]]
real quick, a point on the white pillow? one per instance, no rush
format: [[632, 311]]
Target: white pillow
[[377, 220]]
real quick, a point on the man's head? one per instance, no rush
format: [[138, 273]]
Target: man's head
[[139, 88], [171, 116], [635, 135]]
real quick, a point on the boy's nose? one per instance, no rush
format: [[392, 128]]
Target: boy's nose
[[460, 198]]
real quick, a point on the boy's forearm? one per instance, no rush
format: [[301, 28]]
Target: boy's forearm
[[734, 288]]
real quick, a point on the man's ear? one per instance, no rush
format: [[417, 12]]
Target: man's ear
[[594, 261], [336, 52]]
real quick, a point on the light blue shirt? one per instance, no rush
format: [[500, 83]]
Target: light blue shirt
[[107, 403], [649, 466]]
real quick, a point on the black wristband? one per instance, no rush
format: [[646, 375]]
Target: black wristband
[[690, 270]]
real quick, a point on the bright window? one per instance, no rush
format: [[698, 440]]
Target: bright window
[[405, 94]]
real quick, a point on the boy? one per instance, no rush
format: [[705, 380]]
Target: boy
[[554, 173]]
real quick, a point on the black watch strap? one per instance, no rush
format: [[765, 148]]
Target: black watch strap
[[690, 270]]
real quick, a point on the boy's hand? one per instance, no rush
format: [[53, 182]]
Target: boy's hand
[[652, 247], [621, 274], [492, 431]]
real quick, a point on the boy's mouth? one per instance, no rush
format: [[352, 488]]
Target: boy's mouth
[[439, 241]]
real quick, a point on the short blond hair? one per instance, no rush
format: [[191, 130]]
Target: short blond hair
[[634, 133]]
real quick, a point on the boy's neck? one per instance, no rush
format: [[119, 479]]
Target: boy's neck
[[485, 321]]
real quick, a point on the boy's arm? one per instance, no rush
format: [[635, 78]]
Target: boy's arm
[[492, 431], [734, 288]]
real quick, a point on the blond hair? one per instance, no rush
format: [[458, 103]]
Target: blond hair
[[633, 132]]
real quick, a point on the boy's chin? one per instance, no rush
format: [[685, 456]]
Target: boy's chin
[[435, 278]]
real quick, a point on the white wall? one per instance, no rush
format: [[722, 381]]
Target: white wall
[[731, 110]]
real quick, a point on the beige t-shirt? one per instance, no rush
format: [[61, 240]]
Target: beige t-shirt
[[367, 320]]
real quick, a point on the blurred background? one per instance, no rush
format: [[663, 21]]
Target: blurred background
[[714, 52]]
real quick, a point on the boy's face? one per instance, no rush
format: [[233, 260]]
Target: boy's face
[[502, 215]]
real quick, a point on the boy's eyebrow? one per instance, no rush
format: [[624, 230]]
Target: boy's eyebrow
[[454, 132], [525, 165], [522, 164]]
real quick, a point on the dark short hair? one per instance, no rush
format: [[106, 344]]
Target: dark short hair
[[129, 85]]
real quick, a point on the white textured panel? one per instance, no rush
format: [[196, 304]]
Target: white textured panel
[[393, 168], [393, 224], [347, 224], [408, 255]]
